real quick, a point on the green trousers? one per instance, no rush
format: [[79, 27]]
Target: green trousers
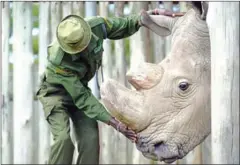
[[59, 109]]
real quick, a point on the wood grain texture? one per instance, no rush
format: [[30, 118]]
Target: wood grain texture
[[44, 40], [223, 22], [6, 115], [22, 83]]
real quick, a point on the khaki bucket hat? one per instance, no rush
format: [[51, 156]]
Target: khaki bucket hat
[[73, 34]]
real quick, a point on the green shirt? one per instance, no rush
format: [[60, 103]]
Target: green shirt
[[74, 71]]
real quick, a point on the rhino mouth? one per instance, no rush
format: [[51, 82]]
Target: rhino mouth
[[161, 151], [167, 152]]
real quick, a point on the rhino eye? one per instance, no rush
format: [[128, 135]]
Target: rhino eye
[[183, 86]]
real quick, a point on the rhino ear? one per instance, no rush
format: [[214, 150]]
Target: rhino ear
[[204, 5], [159, 24]]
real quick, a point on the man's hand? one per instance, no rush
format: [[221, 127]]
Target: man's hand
[[129, 133], [146, 14]]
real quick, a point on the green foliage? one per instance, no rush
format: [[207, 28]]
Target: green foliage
[[35, 44], [112, 50], [35, 9], [35, 14], [10, 67], [127, 50], [11, 21], [36, 61], [10, 47]]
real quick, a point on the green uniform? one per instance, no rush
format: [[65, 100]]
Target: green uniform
[[64, 92]]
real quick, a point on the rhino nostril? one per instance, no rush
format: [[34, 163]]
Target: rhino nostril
[[157, 145]]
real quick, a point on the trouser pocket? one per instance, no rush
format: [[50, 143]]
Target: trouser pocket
[[48, 102], [47, 106]]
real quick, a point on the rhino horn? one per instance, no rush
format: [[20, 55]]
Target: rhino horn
[[130, 109]]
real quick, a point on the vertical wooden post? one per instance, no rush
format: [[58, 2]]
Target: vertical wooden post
[[158, 42], [107, 56], [137, 40], [56, 15], [22, 82], [44, 39], [106, 131], [183, 6], [119, 48], [169, 6], [7, 127], [223, 22], [145, 32], [1, 98], [206, 150], [121, 141], [91, 10], [66, 8], [78, 8]]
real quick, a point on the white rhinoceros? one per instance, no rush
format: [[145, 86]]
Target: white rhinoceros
[[171, 106]]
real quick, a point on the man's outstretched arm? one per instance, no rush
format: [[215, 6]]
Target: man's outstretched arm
[[121, 27]]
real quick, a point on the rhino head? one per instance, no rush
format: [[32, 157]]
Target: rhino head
[[170, 107]]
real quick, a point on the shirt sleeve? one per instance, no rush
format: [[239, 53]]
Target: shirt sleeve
[[84, 99], [121, 27]]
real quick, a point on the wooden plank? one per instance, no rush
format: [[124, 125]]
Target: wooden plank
[[1, 104], [7, 126], [158, 42], [206, 150], [223, 22], [169, 6], [67, 8], [44, 40], [106, 132], [119, 48], [22, 82], [78, 8], [183, 6], [120, 141], [91, 10], [56, 15]]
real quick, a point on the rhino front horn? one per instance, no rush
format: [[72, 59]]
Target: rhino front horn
[[125, 104]]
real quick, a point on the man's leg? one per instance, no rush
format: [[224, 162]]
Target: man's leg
[[63, 148], [86, 133]]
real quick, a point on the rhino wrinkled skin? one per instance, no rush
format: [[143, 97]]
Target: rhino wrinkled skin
[[170, 105]]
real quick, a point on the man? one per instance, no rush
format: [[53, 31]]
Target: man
[[73, 59]]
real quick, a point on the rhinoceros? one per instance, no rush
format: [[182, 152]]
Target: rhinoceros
[[170, 105]]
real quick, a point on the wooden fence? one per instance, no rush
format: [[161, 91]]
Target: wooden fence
[[28, 27]]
